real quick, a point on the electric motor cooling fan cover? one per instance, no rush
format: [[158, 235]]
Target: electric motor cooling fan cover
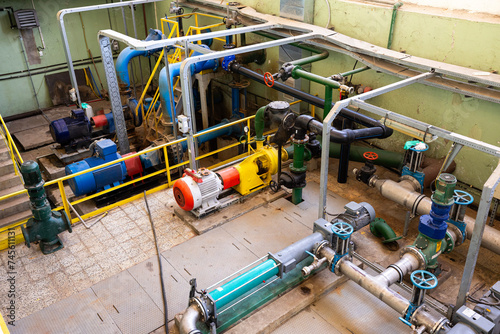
[[187, 194]]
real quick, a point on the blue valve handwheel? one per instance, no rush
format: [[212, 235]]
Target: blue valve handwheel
[[462, 197], [423, 279], [342, 229]]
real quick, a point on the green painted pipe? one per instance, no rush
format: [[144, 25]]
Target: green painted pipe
[[328, 101], [380, 229], [297, 45], [311, 59], [357, 70], [393, 21], [259, 123], [298, 72]]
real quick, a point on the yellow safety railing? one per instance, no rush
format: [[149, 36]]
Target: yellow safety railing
[[167, 169], [16, 158], [176, 57]]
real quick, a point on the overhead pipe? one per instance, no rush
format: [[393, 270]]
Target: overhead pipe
[[174, 71], [311, 99], [128, 53], [404, 193]]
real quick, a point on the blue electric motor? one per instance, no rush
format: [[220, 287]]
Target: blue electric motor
[[72, 131], [104, 151]]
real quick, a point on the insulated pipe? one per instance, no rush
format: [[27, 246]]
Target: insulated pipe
[[227, 131], [404, 193], [343, 136], [174, 71]]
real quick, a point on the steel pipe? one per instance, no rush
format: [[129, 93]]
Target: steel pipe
[[404, 193], [187, 325]]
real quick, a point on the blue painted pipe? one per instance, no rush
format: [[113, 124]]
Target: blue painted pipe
[[235, 100], [244, 283], [127, 54], [234, 130], [174, 70]]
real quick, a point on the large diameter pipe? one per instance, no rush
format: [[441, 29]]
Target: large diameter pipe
[[187, 325], [379, 289], [404, 193], [372, 285]]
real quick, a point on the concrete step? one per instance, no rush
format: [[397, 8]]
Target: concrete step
[[15, 218], [6, 167], [15, 204], [4, 153], [9, 180]]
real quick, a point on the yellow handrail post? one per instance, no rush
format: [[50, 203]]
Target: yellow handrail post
[[167, 166], [63, 198]]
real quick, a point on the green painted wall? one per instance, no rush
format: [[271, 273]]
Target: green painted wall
[[453, 37], [16, 95]]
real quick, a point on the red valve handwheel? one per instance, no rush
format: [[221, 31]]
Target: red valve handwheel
[[268, 77], [370, 155]]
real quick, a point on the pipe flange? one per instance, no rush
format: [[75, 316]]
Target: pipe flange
[[336, 270], [299, 141], [319, 246], [458, 233], [438, 325], [372, 180], [201, 308], [400, 272], [416, 185], [414, 251]]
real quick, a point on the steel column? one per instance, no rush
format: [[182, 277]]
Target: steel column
[[114, 94], [67, 52], [477, 234], [327, 126]]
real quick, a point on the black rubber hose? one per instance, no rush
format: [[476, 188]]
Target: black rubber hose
[[163, 292], [311, 99]]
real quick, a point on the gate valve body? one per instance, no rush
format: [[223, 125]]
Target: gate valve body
[[365, 173]]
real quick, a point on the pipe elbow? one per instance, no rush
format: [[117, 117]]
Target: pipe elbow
[[187, 325]]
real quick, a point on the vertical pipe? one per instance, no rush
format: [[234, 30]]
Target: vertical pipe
[[298, 165], [235, 101], [344, 155], [135, 34], [29, 70], [172, 107], [393, 22], [328, 101]]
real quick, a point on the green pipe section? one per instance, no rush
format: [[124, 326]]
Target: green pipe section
[[259, 123], [298, 167], [357, 70], [298, 72], [297, 45], [311, 59], [245, 282], [385, 158], [328, 101], [393, 21], [380, 229]]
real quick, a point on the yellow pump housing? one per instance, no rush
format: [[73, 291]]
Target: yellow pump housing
[[257, 170]]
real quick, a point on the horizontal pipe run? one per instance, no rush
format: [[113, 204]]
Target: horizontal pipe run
[[404, 193], [310, 59], [311, 99], [297, 72], [355, 71], [343, 136]]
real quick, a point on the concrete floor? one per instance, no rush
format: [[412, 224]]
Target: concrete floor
[[121, 246]]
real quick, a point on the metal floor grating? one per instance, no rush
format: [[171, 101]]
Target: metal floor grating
[[128, 304], [81, 313]]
